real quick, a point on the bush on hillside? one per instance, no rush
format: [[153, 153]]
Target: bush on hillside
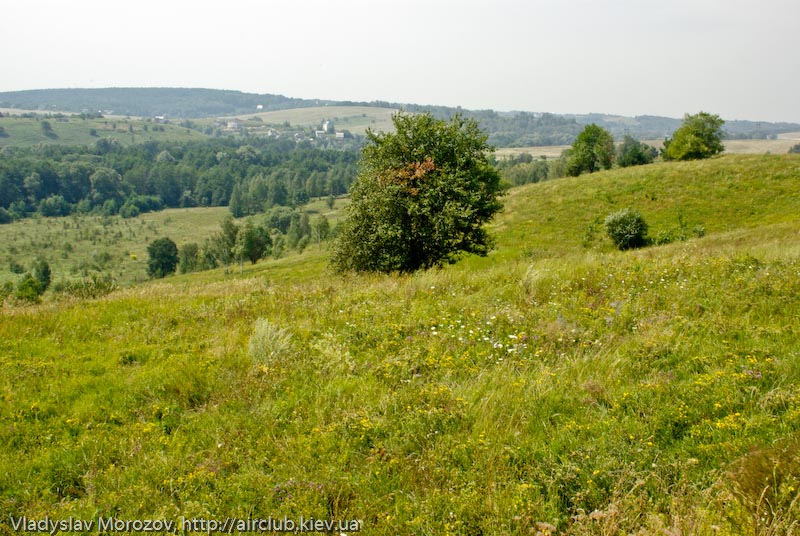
[[632, 152], [29, 289], [163, 259], [627, 229], [92, 286]]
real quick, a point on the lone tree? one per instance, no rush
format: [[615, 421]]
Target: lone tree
[[421, 197], [699, 136], [163, 257], [592, 151], [252, 243]]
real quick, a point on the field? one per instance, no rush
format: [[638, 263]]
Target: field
[[72, 130], [779, 146], [356, 119], [556, 386], [78, 245], [548, 151]]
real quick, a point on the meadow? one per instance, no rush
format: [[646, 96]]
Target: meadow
[[80, 245], [356, 119], [555, 386], [73, 130]]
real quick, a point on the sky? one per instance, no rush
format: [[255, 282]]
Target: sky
[[735, 58]]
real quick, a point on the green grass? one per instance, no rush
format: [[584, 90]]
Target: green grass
[[557, 383], [72, 130]]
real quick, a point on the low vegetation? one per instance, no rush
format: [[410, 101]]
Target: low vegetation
[[626, 228], [557, 385]]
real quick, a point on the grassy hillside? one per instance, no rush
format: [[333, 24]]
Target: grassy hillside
[[72, 130], [80, 245], [557, 385]]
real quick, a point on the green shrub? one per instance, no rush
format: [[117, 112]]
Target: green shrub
[[129, 210], [29, 289], [15, 267], [163, 258], [93, 286], [41, 272], [5, 291], [5, 216], [627, 228]]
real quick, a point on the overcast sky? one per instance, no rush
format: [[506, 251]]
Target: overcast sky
[[736, 58]]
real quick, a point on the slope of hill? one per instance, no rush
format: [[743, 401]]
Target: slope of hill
[[556, 385], [61, 129]]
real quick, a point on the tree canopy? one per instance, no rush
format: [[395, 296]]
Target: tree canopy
[[700, 136], [632, 152], [421, 198], [251, 174], [592, 151]]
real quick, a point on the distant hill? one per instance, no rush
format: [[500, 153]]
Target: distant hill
[[657, 127], [505, 129], [149, 102]]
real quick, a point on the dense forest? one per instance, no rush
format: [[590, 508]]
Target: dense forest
[[109, 179]]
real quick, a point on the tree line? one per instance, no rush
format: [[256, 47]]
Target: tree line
[[699, 136], [108, 178]]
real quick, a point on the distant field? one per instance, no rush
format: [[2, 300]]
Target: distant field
[[779, 146], [356, 119], [549, 151], [72, 130]]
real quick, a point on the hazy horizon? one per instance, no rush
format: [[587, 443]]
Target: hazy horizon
[[620, 57]]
